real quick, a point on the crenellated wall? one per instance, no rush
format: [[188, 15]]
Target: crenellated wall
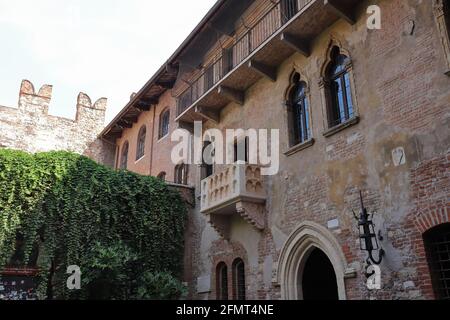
[[31, 128]]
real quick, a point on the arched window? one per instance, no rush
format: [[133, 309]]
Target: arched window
[[164, 123], [140, 151], [222, 281], [298, 112], [437, 245], [162, 176], [181, 174], [124, 156], [207, 166], [340, 93], [238, 280]]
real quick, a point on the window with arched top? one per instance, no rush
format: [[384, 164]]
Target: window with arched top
[[162, 176], [164, 123], [437, 245], [124, 156], [181, 174], [140, 150], [239, 280], [337, 79], [222, 281], [298, 112]]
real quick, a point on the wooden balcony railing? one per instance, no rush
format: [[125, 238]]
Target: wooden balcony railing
[[278, 16]]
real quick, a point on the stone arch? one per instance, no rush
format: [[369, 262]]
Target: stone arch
[[334, 42], [307, 237], [292, 83]]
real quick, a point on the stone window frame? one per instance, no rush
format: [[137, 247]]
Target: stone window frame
[[439, 10], [161, 134], [325, 94], [140, 145], [181, 174], [162, 176], [222, 290], [235, 279], [293, 148], [123, 164]]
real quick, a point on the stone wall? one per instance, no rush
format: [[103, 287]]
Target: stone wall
[[30, 128]]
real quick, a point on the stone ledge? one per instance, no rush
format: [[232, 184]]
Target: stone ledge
[[299, 147], [332, 131]]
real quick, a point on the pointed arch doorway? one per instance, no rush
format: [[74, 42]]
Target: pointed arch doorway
[[312, 265], [317, 278]]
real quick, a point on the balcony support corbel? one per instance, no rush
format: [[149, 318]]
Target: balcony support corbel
[[264, 70], [338, 9], [232, 94], [208, 114], [296, 44], [253, 213], [221, 224]]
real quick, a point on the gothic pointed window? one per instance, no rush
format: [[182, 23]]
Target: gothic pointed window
[[239, 280], [162, 176], [140, 151], [340, 107], [298, 110], [181, 174], [124, 156], [222, 281], [164, 123]]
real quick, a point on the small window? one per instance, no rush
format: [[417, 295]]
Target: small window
[[241, 150], [181, 174], [124, 156], [238, 280], [207, 166], [140, 151], [222, 281], [340, 92], [162, 176], [437, 245], [298, 112], [164, 124]]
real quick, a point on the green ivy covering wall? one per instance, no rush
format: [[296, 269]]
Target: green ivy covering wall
[[119, 227]]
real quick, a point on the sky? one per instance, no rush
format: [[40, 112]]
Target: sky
[[104, 48]]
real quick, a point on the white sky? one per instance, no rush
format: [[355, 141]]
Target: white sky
[[105, 48]]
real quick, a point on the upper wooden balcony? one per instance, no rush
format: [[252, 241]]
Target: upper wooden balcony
[[288, 27]]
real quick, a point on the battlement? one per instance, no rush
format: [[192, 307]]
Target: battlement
[[38, 103]]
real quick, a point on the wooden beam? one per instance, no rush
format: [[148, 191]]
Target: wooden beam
[[165, 85], [186, 126], [143, 106], [149, 101], [296, 44], [125, 124], [208, 114], [232, 94], [343, 12], [264, 70], [171, 69]]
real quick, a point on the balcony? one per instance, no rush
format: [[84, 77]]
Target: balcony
[[237, 190], [289, 26]]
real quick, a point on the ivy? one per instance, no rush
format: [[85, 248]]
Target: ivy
[[122, 229]]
